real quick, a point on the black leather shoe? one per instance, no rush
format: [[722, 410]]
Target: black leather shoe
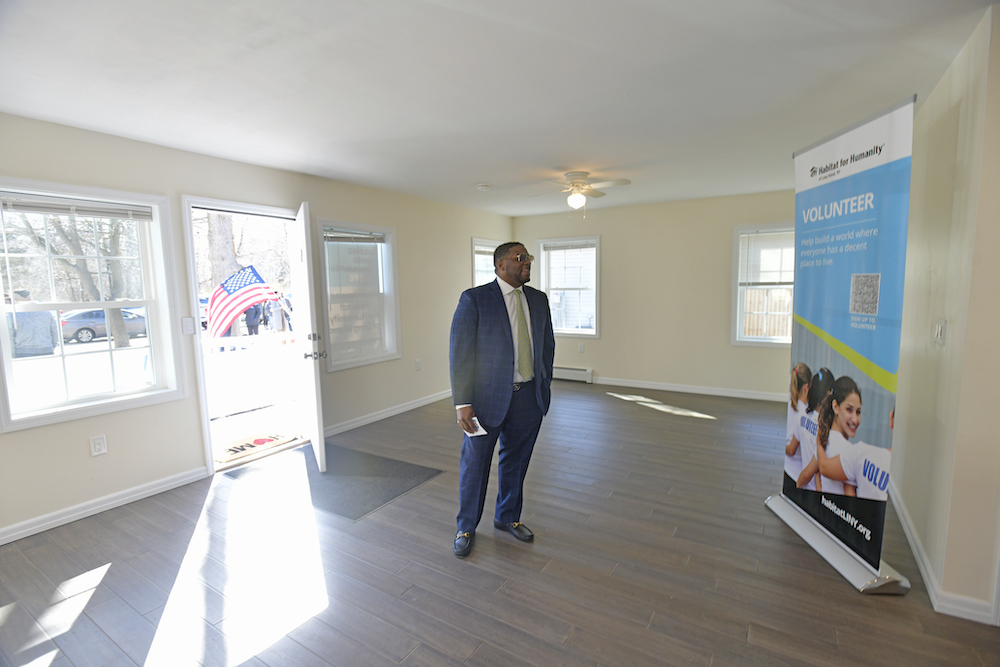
[[517, 529], [463, 544]]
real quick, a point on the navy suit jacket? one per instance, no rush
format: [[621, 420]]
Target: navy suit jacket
[[482, 351]]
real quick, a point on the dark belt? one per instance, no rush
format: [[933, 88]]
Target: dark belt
[[518, 385]]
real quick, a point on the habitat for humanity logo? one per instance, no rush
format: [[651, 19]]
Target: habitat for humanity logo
[[843, 162]]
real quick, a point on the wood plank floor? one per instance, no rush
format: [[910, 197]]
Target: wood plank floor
[[653, 547]]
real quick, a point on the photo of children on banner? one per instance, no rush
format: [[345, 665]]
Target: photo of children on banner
[[801, 448], [798, 390], [839, 417], [842, 467], [862, 466]]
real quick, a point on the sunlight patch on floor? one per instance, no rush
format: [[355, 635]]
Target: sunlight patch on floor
[[32, 639], [84, 583], [57, 619], [658, 405], [259, 549]]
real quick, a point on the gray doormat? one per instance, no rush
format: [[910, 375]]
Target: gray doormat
[[354, 484]]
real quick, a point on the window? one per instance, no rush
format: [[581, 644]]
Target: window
[[361, 294], [483, 269], [570, 276], [765, 270], [85, 303]]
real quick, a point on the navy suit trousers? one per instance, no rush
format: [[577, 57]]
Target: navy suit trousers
[[517, 436]]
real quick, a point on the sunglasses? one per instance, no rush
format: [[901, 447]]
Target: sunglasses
[[523, 257]]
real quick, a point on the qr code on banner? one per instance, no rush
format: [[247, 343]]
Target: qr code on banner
[[864, 293]]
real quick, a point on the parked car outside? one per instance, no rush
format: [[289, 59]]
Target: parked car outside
[[86, 325]]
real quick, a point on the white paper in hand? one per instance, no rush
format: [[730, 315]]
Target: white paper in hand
[[479, 428]]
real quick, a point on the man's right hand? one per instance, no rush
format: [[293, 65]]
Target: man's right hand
[[465, 415]]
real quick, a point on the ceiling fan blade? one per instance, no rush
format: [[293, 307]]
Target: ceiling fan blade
[[611, 184], [553, 192], [590, 192]]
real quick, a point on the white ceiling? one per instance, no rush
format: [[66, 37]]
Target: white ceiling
[[687, 98]]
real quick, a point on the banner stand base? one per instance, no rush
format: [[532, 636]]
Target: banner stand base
[[887, 582]]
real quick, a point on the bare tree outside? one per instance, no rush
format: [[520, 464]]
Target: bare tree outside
[[221, 247], [85, 251]]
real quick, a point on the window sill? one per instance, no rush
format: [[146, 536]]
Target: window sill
[[102, 406], [334, 366], [762, 343], [575, 334]]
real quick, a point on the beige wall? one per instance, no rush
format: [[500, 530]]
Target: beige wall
[[666, 293], [975, 508], [946, 462], [49, 469]]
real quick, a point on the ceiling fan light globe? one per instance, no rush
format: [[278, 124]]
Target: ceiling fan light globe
[[576, 200]]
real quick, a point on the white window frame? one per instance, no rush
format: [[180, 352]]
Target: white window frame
[[737, 309], [477, 244], [159, 272], [544, 245], [391, 329]]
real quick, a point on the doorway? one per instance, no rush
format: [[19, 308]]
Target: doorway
[[258, 368]]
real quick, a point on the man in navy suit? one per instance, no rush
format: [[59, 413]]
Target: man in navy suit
[[501, 353]]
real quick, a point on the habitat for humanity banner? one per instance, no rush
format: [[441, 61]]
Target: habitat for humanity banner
[[852, 196]]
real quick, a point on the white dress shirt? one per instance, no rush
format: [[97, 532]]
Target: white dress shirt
[[508, 297]]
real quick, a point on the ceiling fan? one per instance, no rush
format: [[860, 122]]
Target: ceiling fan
[[580, 187]]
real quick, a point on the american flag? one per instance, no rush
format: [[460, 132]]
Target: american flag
[[237, 293]]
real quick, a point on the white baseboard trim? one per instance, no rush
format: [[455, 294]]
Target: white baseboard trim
[[916, 546], [963, 607], [384, 414], [693, 389], [944, 603], [91, 507], [578, 374]]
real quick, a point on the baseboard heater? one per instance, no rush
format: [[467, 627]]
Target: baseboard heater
[[578, 374]]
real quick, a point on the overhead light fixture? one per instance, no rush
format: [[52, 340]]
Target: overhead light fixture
[[576, 200]]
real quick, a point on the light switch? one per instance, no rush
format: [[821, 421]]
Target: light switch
[[940, 329]]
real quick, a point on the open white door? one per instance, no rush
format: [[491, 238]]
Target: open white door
[[305, 355]]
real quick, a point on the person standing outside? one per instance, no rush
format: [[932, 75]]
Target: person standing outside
[[501, 353], [32, 333], [252, 316], [275, 320]]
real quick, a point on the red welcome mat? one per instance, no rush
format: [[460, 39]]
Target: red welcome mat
[[247, 446]]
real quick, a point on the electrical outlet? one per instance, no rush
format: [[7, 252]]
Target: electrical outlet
[[98, 445], [580, 348], [418, 364]]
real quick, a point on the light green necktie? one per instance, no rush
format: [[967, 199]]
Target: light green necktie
[[524, 361]]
